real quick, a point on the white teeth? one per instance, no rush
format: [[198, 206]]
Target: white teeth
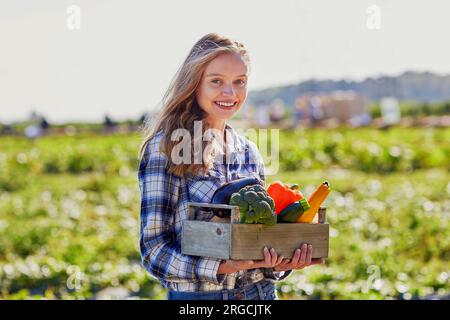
[[225, 104]]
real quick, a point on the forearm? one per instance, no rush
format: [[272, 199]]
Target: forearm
[[226, 267]]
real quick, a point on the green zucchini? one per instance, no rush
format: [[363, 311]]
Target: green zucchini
[[291, 213]]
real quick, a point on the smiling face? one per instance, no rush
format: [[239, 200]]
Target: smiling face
[[223, 88]]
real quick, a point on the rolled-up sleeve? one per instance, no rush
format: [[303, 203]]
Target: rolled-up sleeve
[[160, 254]]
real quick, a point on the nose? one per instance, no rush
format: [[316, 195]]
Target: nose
[[228, 91]]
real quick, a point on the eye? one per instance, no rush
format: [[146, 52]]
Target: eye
[[240, 82], [216, 81]]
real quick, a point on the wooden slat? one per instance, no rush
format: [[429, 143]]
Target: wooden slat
[[235, 215], [322, 215], [208, 239], [210, 205], [191, 210], [249, 240]]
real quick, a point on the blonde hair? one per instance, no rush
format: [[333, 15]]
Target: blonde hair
[[179, 105]]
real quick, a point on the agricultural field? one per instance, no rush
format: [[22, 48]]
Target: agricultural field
[[69, 215]]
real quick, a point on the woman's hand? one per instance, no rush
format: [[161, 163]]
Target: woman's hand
[[271, 260], [302, 258]]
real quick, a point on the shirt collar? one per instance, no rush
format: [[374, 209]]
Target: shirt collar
[[236, 145], [236, 148]]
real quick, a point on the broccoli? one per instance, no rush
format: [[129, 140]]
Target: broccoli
[[255, 205]]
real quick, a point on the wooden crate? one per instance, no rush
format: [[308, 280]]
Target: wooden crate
[[227, 239]]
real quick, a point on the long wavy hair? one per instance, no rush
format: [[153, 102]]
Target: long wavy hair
[[180, 109]]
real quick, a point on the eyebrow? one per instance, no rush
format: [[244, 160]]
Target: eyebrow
[[221, 75]]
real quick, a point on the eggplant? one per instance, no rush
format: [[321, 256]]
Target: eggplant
[[223, 194]]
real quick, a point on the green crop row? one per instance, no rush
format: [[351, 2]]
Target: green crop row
[[69, 215]]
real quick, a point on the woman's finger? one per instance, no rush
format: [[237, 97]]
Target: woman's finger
[[284, 263], [308, 255], [303, 254], [274, 257], [296, 257], [279, 260], [267, 256]]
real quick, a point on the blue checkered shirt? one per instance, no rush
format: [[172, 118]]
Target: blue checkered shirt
[[164, 199]]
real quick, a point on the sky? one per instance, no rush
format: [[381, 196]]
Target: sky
[[125, 52]]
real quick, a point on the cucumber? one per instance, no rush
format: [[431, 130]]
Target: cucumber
[[291, 213]]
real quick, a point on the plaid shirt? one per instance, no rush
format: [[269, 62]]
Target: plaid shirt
[[164, 199]]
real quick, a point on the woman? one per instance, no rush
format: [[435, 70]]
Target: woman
[[208, 89]]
